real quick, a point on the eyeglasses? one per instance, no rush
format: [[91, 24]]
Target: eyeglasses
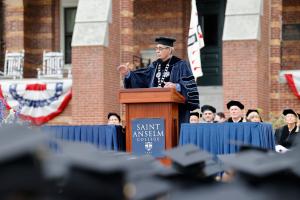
[[160, 48]]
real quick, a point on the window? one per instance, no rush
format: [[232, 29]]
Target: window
[[69, 22]]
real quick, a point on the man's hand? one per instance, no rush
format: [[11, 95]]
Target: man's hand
[[123, 69], [170, 85]]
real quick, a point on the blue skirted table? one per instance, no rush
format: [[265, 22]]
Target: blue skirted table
[[107, 137], [225, 138]]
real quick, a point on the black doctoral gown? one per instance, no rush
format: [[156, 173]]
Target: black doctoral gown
[[180, 72], [286, 138]]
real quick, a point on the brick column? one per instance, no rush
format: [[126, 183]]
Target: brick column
[[96, 81], [127, 39], [41, 29], [246, 61], [13, 13], [286, 53], [275, 60]]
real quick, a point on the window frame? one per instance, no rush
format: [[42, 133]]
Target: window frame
[[65, 4]]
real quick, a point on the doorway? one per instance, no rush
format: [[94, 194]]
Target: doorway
[[211, 14]]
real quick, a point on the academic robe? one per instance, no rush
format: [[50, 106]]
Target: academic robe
[[284, 137], [180, 72], [230, 120]]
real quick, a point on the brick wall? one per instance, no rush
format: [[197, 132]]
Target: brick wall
[[152, 19], [41, 22], [13, 14], [284, 54], [291, 48], [240, 72]]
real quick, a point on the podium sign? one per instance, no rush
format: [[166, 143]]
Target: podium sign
[[158, 106], [148, 136]]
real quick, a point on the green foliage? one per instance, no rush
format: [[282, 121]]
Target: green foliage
[[276, 121]]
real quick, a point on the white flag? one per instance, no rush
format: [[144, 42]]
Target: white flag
[[195, 42]]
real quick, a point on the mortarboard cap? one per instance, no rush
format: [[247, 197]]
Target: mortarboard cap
[[250, 111], [165, 41], [235, 103], [289, 111], [189, 159], [21, 152], [187, 155], [195, 114], [113, 114], [95, 174], [208, 107], [259, 163]]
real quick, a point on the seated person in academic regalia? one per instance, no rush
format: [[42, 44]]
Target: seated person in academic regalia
[[220, 117], [286, 135], [208, 113], [194, 117], [113, 119], [168, 71], [252, 115], [235, 111]]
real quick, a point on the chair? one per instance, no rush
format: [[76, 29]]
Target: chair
[[13, 65], [53, 64]]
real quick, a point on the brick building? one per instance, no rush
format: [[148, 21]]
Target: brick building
[[249, 46]]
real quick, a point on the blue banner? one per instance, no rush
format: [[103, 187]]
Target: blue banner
[[148, 136]]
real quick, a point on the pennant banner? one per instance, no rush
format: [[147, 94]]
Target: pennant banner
[[293, 81], [195, 42], [37, 102]]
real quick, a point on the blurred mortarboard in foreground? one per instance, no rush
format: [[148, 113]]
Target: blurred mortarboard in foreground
[[21, 154], [235, 103], [189, 159], [208, 107], [110, 175], [289, 111], [260, 164], [168, 41]]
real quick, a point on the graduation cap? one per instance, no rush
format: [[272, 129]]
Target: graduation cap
[[208, 107], [94, 174], [21, 153], [235, 103], [250, 111], [195, 114], [190, 160], [261, 164], [113, 114], [168, 41], [289, 111]]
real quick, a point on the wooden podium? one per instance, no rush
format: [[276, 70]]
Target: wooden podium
[[152, 103]]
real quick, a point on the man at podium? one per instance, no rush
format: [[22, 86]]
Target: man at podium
[[168, 71]]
